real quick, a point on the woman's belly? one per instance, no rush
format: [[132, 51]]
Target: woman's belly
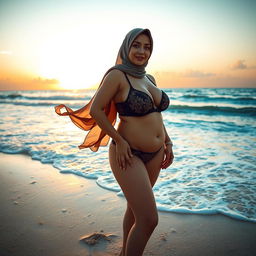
[[144, 133]]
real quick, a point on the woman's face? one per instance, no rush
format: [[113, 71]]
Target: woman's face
[[140, 50]]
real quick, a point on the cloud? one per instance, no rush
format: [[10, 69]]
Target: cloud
[[38, 83], [239, 64], [197, 73], [199, 79], [44, 81], [190, 73], [6, 52]]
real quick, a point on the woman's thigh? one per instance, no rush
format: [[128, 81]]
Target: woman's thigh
[[154, 166], [135, 184]]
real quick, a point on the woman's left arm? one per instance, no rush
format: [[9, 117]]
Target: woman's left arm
[[168, 157]]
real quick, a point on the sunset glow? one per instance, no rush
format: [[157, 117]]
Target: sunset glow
[[71, 44]]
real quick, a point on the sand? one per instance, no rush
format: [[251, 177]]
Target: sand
[[46, 213]]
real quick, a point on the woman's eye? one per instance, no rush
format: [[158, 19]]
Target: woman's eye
[[136, 46]]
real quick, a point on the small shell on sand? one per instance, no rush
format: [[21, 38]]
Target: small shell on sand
[[163, 237], [95, 238]]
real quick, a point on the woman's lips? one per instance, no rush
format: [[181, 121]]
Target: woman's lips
[[139, 58]]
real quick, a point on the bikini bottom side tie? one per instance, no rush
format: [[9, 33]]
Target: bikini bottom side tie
[[144, 156]]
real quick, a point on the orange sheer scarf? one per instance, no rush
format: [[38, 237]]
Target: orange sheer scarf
[[96, 137]]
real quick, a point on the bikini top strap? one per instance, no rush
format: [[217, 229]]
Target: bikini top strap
[[146, 76], [128, 79], [150, 79]]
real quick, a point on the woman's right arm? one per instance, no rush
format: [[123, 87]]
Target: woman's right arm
[[106, 93]]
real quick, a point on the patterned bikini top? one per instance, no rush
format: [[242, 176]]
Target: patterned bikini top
[[139, 103]]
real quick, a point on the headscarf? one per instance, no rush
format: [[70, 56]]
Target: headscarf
[[96, 137]]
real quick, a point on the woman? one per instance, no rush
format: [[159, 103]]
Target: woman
[[140, 146]]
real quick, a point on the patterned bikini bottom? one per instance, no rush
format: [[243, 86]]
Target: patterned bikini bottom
[[144, 156]]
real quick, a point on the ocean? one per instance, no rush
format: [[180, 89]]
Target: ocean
[[214, 136]]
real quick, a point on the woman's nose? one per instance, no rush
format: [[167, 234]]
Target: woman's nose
[[141, 50]]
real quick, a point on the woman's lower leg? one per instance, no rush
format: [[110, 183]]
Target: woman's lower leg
[[139, 236], [128, 222]]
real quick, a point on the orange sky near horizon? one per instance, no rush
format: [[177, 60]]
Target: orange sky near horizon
[[70, 45]]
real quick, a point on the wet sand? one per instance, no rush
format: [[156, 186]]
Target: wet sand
[[46, 213]]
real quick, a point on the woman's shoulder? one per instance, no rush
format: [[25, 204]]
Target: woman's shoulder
[[114, 77], [115, 74], [151, 78]]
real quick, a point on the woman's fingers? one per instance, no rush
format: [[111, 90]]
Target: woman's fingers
[[123, 155], [171, 157], [167, 156], [130, 152], [120, 163], [126, 159], [168, 159], [129, 156], [122, 158]]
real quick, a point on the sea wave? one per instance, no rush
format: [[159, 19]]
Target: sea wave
[[74, 105], [219, 98], [13, 96], [10, 96], [29, 104], [208, 109], [213, 110]]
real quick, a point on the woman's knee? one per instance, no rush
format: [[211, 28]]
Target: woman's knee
[[148, 221], [152, 220]]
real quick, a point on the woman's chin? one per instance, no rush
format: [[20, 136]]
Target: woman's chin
[[139, 63]]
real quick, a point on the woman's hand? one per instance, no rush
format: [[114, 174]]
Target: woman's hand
[[168, 156], [123, 154]]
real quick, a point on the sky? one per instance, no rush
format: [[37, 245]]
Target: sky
[[65, 44]]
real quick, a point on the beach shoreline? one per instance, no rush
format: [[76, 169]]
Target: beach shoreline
[[44, 212]]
